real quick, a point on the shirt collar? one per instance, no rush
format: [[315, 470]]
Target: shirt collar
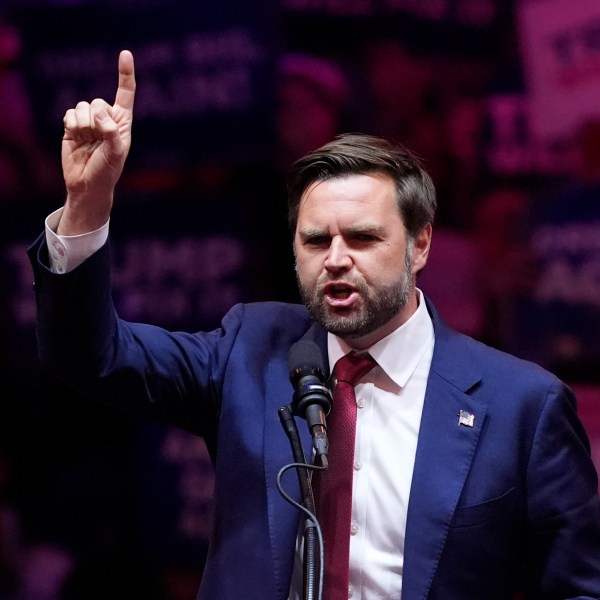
[[399, 353]]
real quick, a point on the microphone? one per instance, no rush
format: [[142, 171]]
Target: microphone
[[312, 398]]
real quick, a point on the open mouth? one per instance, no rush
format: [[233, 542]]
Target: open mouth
[[340, 295]]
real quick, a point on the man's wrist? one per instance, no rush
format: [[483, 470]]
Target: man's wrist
[[66, 252]]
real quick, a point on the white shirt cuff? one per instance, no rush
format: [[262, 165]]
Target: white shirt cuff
[[67, 252]]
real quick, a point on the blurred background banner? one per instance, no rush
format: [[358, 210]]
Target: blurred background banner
[[204, 72], [561, 58]]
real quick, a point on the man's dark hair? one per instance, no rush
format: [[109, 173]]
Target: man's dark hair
[[360, 154]]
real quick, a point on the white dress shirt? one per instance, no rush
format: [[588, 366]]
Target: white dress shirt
[[390, 402]]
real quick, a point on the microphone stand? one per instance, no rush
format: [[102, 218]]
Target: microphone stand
[[311, 562]]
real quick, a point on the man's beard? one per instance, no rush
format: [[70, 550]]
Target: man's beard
[[379, 305]]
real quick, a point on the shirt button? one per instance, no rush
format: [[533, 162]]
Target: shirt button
[[353, 528], [60, 249], [350, 591], [358, 465], [361, 403]]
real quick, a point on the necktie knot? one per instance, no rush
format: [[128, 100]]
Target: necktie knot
[[351, 367]]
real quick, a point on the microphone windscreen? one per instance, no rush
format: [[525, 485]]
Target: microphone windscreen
[[305, 358]]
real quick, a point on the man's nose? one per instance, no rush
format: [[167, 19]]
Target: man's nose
[[338, 257]]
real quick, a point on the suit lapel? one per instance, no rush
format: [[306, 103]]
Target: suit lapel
[[445, 450]]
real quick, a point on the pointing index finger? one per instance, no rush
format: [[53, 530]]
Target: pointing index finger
[[126, 90]]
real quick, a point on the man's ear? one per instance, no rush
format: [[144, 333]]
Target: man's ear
[[421, 249]]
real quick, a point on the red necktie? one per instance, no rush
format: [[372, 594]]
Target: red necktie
[[333, 487]]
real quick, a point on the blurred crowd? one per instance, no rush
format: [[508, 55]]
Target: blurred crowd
[[72, 524]]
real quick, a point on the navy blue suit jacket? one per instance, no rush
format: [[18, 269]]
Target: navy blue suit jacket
[[508, 504]]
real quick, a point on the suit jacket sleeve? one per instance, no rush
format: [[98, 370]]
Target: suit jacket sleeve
[[140, 368], [563, 558]]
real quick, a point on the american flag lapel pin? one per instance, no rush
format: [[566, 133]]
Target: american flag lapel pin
[[466, 418]]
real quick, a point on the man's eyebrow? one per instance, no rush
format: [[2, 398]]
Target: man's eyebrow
[[366, 228], [312, 231]]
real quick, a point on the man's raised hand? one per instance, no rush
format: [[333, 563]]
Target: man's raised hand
[[95, 145]]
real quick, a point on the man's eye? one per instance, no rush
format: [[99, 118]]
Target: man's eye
[[316, 240], [364, 237]]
